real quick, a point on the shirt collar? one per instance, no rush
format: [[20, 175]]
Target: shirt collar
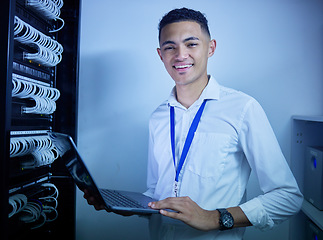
[[211, 91]]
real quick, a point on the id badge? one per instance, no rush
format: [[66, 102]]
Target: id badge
[[176, 188]]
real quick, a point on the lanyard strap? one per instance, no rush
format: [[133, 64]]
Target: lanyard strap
[[189, 138]]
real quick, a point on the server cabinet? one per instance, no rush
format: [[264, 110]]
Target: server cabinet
[[39, 55]]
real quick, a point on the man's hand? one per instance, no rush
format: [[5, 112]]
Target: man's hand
[[92, 200], [189, 212]]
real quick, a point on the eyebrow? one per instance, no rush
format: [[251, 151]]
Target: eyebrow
[[191, 38], [185, 40], [167, 42]]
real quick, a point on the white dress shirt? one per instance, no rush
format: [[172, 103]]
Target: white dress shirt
[[233, 137]]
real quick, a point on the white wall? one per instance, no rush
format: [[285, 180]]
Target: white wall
[[272, 50]]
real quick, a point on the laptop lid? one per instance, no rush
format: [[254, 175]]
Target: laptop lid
[[83, 179], [74, 163]]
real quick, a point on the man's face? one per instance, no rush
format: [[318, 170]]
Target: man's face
[[184, 50]]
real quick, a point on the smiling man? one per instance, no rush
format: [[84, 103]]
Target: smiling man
[[205, 140], [184, 50]]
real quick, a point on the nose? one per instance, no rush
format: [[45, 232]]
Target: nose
[[181, 53]]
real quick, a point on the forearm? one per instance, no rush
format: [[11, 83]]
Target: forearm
[[240, 219], [189, 212]]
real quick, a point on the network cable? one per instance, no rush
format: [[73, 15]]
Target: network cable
[[35, 211], [40, 147], [43, 95], [50, 9], [49, 51]]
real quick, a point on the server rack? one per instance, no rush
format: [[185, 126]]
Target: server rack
[[37, 66]]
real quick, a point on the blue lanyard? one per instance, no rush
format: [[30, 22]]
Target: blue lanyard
[[189, 137]]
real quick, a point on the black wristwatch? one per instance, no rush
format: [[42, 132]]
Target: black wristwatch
[[226, 220]]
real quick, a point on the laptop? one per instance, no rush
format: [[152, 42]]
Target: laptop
[[114, 200]]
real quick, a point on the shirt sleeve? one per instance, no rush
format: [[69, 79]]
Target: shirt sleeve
[[152, 169], [281, 196]]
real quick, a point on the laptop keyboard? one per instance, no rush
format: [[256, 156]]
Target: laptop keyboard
[[117, 199]]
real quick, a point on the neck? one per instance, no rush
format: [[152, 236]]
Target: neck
[[187, 94]]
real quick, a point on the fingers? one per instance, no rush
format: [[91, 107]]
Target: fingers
[[160, 204], [186, 210], [167, 208], [171, 214], [174, 203], [91, 200], [86, 194], [172, 207]]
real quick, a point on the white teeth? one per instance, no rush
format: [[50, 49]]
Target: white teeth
[[183, 66]]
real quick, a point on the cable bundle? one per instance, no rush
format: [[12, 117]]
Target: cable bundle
[[49, 51], [40, 147], [43, 95], [18, 202], [32, 213], [50, 9], [50, 202], [39, 210]]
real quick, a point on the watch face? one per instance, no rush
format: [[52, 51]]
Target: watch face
[[227, 220]]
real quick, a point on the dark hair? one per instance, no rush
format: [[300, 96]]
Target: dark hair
[[184, 14]]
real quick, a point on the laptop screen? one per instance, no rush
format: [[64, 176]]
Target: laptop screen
[[72, 160]]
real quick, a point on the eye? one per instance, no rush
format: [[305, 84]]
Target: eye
[[192, 44], [168, 48]]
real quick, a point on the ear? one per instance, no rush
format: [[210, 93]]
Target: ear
[[212, 46], [159, 53]]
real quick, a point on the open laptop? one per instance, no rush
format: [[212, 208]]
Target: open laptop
[[114, 200]]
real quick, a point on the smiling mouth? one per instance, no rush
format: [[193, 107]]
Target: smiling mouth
[[183, 66]]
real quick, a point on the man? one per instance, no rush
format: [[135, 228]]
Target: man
[[205, 139]]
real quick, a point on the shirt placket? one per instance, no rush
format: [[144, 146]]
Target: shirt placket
[[186, 121]]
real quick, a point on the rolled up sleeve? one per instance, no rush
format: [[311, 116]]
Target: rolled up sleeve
[[281, 196]]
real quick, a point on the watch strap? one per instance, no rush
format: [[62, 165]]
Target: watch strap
[[224, 216]]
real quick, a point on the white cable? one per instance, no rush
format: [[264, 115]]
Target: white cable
[[49, 210], [42, 214], [51, 185], [49, 51], [18, 203], [14, 207], [58, 29], [48, 200], [36, 211], [50, 9], [40, 147], [43, 96], [31, 212]]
